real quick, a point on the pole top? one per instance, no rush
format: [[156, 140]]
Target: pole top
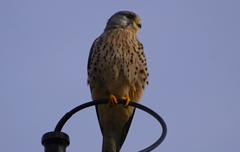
[[55, 136]]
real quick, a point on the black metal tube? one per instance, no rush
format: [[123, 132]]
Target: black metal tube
[[69, 114], [58, 141], [55, 141]]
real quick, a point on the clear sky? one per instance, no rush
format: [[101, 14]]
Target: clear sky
[[193, 56]]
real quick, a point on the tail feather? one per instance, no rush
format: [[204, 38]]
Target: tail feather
[[114, 135], [110, 144]]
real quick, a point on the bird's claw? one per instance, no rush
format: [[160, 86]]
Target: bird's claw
[[127, 99], [112, 101]]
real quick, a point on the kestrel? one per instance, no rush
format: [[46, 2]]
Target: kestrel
[[117, 69]]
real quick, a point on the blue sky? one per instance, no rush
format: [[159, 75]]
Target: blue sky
[[193, 56]]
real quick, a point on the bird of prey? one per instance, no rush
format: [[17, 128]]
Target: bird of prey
[[117, 69]]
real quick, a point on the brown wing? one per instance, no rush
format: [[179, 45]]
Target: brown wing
[[126, 128], [88, 66], [90, 54]]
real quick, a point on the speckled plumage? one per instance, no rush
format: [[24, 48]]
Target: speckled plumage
[[117, 66]]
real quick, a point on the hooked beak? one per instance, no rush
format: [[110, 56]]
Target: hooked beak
[[139, 25], [138, 22]]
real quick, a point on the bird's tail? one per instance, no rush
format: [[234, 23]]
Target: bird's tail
[[110, 144]]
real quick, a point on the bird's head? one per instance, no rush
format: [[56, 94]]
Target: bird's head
[[124, 19]]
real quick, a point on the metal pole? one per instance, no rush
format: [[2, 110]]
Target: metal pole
[[55, 141], [58, 141]]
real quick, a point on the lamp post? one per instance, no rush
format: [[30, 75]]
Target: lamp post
[[58, 141], [55, 141]]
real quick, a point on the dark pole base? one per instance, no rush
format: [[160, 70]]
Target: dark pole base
[[55, 141]]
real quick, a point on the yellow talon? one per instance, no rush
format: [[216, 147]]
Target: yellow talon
[[112, 101], [127, 101]]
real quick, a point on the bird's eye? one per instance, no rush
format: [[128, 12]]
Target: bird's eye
[[130, 17]]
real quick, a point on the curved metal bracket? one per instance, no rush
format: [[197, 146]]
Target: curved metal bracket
[[65, 118]]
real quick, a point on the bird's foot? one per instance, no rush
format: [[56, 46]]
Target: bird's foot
[[112, 101], [127, 99]]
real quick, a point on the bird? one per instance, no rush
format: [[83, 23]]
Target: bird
[[117, 69]]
